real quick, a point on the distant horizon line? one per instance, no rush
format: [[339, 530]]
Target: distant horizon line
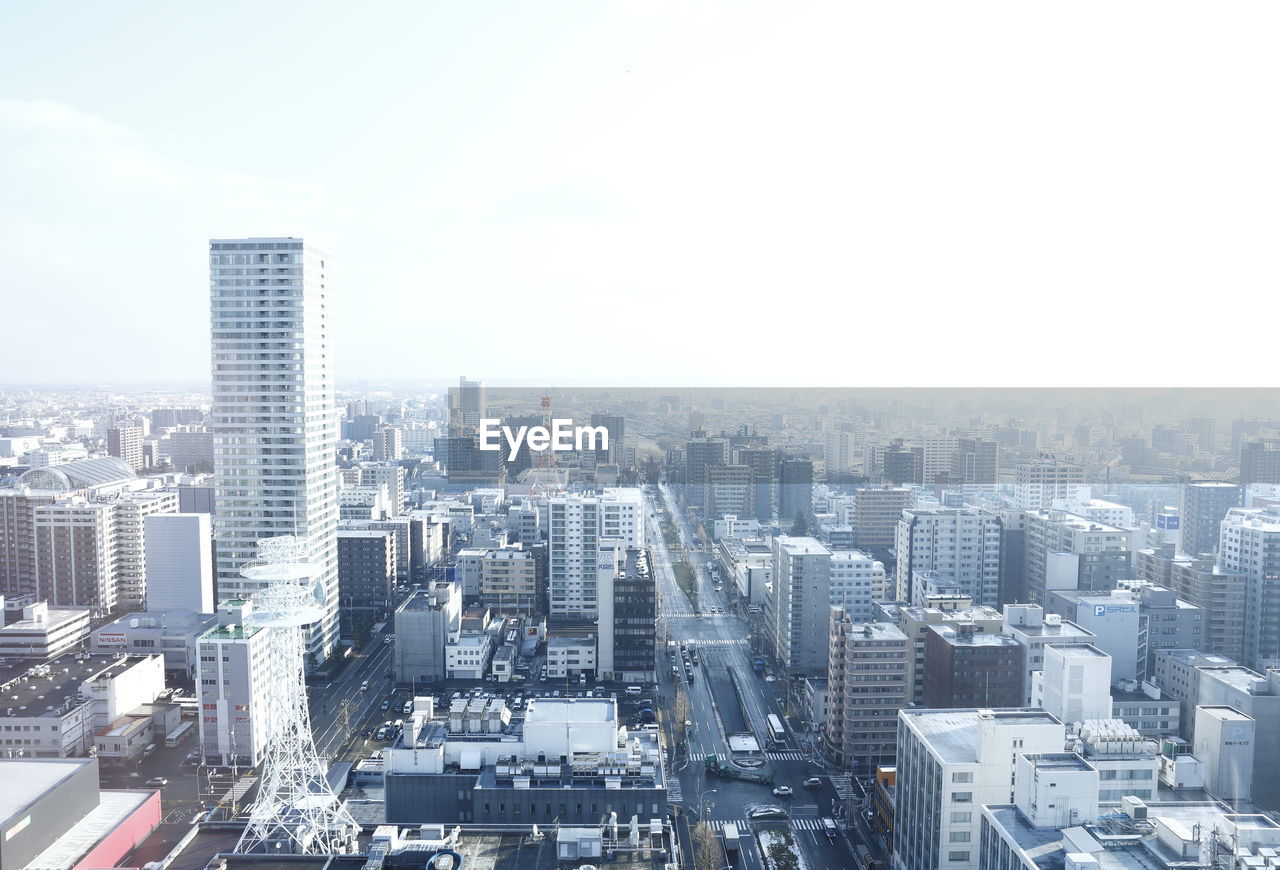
[[205, 387]]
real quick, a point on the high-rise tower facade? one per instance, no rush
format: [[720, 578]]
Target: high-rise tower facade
[[273, 419]]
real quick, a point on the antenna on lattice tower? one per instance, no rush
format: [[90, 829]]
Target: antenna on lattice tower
[[296, 811]]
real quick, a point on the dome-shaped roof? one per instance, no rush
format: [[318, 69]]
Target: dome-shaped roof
[[84, 474]]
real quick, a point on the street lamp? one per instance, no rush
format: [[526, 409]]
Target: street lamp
[[702, 803]]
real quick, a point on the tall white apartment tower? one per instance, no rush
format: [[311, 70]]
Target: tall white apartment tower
[[579, 524], [274, 421]]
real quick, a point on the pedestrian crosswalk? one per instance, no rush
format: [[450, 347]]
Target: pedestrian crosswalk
[[802, 824], [843, 786], [785, 756], [674, 795]]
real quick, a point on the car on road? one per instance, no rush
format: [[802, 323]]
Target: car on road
[[767, 812], [719, 588], [829, 828], [157, 782], [386, 705], [382, 734], [783, 791], [813, 782]]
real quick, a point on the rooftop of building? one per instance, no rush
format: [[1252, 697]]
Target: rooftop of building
[[1137, 696], [1051, 761], [364, 533], [1230, 714], [1266, 519], [231, 631], [114, 807], [1189, 657], [422, 599], [569, 641], [954, 734], [81, 474], [956, 637], [801, 546], [26, 779], [50, 689], [969, 614], [1080, 651], [1058, 630], [469, 640], [54, 617], [875, 631], [1116, 842], [1238, 677], [1076, 522]]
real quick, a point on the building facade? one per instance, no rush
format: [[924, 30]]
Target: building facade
[[274, 419]]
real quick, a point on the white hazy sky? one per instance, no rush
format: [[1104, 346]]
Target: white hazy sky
[[849, 194]]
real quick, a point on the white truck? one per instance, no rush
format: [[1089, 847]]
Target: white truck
[[730, 838]]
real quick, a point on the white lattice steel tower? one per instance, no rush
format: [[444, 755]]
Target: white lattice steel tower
[[296, 811]]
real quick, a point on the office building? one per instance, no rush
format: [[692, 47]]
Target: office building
[[510, 579], [189, 449], [950, 764], [388, 444], [1256, 696], [233, 675], [963, 544], [938, 452], [44, 632], [875, 514], [795, 490], [1036, 631], [1039, 482], [467, 407], [1259, 462], [273, 418], [616, 426], [1067, 552], [801, 604], [179, 562], [125, 442], [915, 621], [1075, 683], [1250, 545], [1204, 503], [1113, 618], [577, 525], [701, 453], [366, 578], [1220, 594], [966, 667], [424, 623], [628, 627], [174, 634], [56, 709], [866, 687], [1053, 824], [857, 581], [98, 506], [901, 464], [976, 462], [1226, 742], [763, 463], [564, 763], [729, 489], [55, 816], [1165, 621]]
